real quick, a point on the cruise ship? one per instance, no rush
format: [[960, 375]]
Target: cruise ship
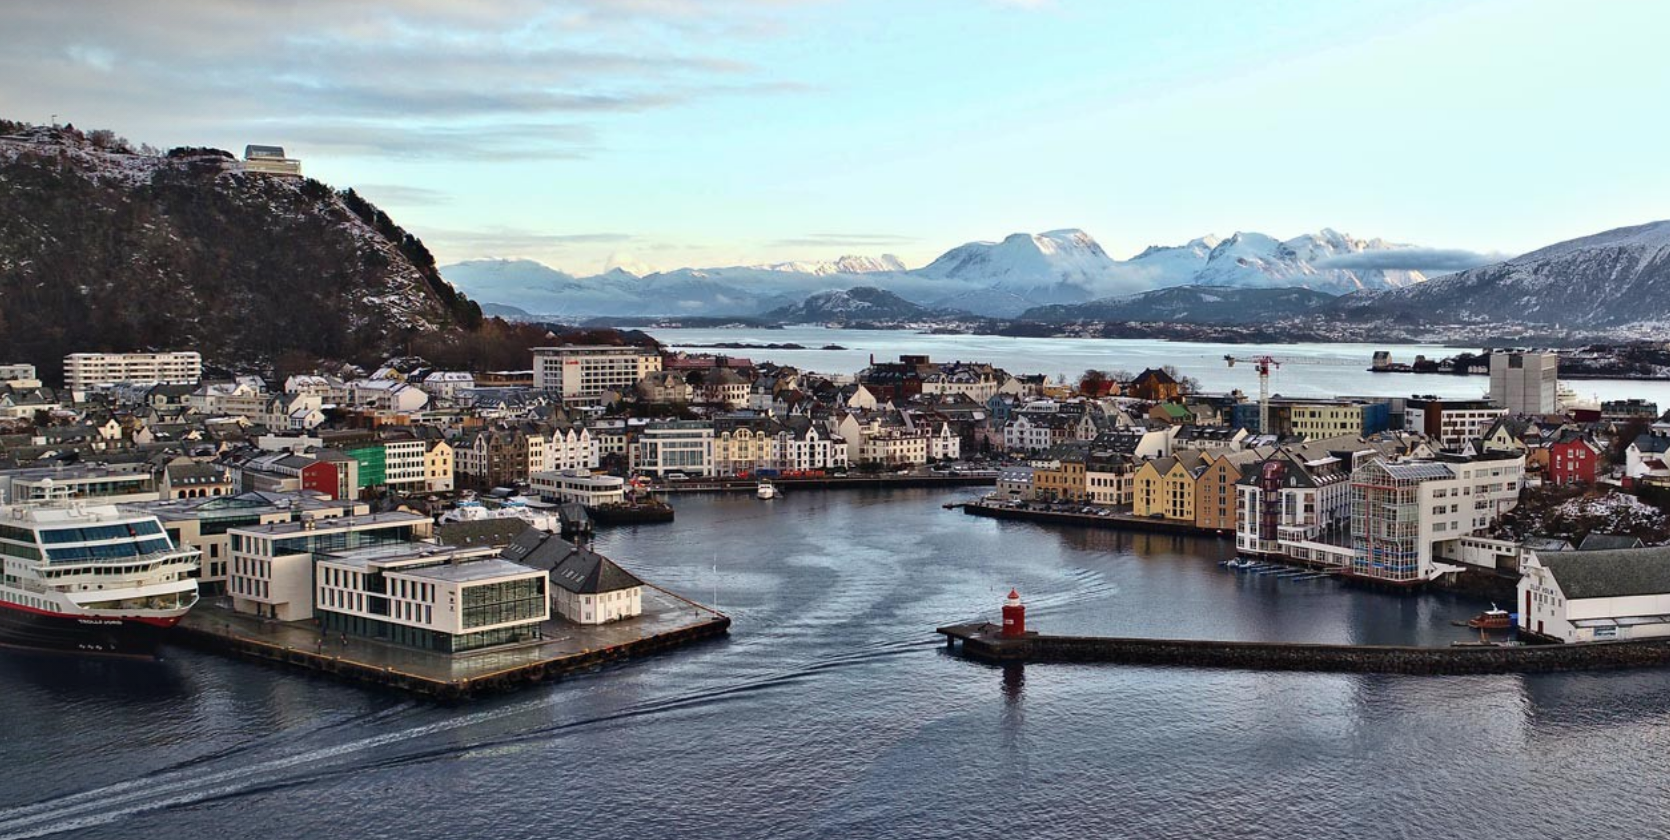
[[90, 578]]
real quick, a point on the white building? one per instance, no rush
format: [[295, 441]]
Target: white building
[[570, 448], [429, 596], [1403, 514], [677, 447], [271, 573], [1451, 423], [945, 444], [86, 371], [19, 376], [809, 449], [581, 374], [586, 587], [386, 395], [405, 464], [445, 384], [578, 486], [1590, 596], [1525, 383]]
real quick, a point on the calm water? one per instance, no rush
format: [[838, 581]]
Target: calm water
[[1321, 369], [832, 712]]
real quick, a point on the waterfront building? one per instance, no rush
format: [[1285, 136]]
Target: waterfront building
[[578, 486], [428, 596], [1217, 500], [580, 374], [205, 524], [682, 446], [1451, 423], [84, 372], [1164, 488], [1401, 513], [271, 571], [1590, 596], [586, 587], [1015, 484], [1107, 477], [1294, 503], [1060, 475], [1525, 383], [743, 446], [802, 446]]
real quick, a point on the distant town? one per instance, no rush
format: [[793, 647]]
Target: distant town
[[450, 511]]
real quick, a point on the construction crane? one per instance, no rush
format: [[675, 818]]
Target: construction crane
[[1264, 364]]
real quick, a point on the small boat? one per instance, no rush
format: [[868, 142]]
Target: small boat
[[765, 490], [1491, 619]]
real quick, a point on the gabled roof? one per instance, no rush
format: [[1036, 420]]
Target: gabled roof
[[1597, 541], [575, 568], [1610, 574]]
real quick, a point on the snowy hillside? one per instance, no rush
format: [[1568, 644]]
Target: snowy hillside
[[862, 303], [1254, 260], [843, 265], [1613, 278]]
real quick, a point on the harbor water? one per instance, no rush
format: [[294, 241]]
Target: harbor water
[[1312, 370], [833, 711]]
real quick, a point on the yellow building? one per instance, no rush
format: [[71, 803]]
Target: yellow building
[[1317, 421], [438, 466], [1063, 480], [1166, 486]]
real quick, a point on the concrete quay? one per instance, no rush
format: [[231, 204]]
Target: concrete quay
[[1114, 519], [984, 642], [736, 485], [667, 621]]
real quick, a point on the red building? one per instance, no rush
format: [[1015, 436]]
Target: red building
[[1572, 460], [323, 477]]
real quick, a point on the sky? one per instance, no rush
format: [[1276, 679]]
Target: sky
[[654, 134]]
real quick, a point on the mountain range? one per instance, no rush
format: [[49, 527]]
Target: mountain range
[[996, 279]]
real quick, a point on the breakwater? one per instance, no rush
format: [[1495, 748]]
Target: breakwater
[[982, 642]]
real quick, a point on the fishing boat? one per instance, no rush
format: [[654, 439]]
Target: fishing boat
[[1491, 619]]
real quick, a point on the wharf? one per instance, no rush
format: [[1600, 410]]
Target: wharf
[[725, 485], [1114, 519], [667, 621], [984, 642]]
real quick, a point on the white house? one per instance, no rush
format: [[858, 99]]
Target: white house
[[579, 486], [586, 587], [1587, 596]]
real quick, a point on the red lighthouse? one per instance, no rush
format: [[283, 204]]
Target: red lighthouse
[[1014, 615]]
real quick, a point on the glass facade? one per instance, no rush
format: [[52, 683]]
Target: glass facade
[[498, 603]]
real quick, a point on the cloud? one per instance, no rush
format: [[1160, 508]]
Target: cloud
[[505, 241], [416, 78], [845, 240], [1411, 259], [399, 195]]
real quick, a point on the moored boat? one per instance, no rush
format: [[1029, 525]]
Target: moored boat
[[765, 490], [1491, 619], [90, 578]]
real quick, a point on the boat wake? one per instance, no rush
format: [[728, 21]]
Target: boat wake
[[201, 779]]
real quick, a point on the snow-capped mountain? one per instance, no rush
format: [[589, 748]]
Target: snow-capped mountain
[[1254, 260], [999, 279], [1618, 277], [849, 264]]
